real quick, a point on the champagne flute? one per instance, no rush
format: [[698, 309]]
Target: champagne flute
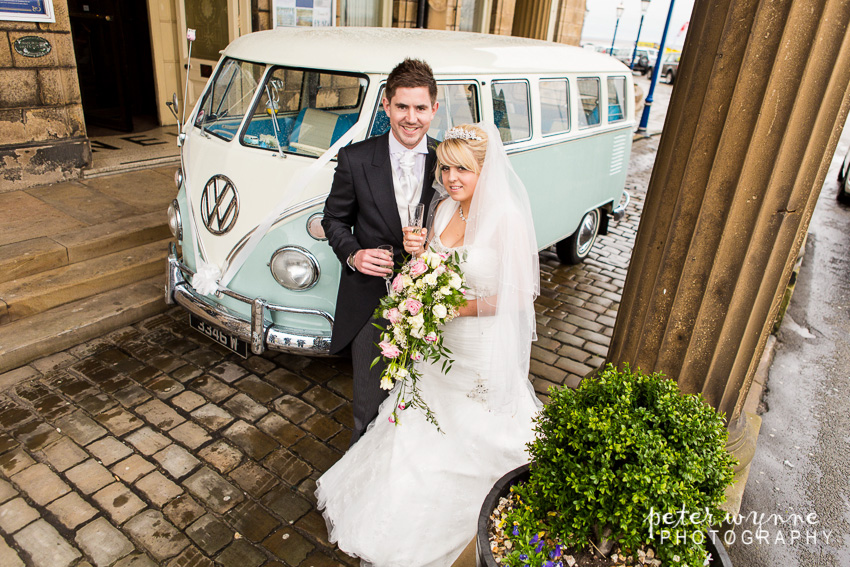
[[387, 248], [415, 216]]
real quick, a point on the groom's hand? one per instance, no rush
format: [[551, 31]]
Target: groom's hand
[[373, 262]]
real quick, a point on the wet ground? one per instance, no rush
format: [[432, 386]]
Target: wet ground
[[799, 476]]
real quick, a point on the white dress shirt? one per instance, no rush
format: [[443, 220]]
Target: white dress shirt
[[401, 198]]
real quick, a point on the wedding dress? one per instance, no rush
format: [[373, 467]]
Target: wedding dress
[[407, 495]]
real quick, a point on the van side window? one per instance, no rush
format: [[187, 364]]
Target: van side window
[[511, 110], [616, 99], [304, 112], [458, 105], [554, 106], [229, 98], [588, 114]]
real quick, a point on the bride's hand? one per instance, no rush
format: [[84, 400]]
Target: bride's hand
[[414, 243]]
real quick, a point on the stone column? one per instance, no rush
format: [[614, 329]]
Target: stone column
[[531, 18], [502, 20], [759, 102]]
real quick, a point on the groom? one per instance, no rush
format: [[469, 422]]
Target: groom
[[374, 183]]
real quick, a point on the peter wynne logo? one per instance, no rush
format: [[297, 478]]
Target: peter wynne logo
[[219, 204]]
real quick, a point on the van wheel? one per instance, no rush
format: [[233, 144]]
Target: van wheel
[[669, 77], [575, 248]]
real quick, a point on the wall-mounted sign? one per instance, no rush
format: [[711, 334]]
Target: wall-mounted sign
[[32, 46], [27, 10], [288, 13]]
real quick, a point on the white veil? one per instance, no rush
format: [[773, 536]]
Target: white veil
[[499, 226]]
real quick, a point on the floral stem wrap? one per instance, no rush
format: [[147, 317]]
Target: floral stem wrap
[[424, 295]]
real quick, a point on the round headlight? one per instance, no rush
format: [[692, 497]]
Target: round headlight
[[175, 223], [295, 268], [178, 177], [314, 226]]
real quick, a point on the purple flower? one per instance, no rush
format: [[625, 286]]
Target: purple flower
[[515, 530], [555, 554], [539, 547], [548, 564], [535, 539], [523, 557]]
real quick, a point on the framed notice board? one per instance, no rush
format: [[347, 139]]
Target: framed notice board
[[27, 10]]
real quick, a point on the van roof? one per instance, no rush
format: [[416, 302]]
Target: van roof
[[378, 50]]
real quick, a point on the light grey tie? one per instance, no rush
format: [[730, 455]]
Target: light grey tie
[[407, 163]]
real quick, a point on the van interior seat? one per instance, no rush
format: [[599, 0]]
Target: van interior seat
[[615, 112]]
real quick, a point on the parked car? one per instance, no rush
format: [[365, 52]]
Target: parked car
[[257, 162], [645, 57], [670, 68]]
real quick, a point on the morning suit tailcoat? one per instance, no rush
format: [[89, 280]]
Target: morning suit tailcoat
[[361, 212]]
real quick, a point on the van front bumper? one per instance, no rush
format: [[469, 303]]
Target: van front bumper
[[257, 331]]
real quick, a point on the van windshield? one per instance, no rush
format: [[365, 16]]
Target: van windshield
[[229, 98], [304, 112]]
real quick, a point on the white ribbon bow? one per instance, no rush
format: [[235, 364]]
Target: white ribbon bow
[[205, 280]]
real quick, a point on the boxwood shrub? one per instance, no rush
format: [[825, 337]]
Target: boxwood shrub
[[614, 456]]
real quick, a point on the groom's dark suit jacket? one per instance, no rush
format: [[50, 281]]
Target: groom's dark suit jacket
[[361, 212]]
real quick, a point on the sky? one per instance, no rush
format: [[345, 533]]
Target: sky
[[601, 17]]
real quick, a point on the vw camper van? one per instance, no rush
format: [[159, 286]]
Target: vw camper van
[[258, 161]]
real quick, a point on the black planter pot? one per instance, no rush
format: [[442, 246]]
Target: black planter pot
[[483, 555]]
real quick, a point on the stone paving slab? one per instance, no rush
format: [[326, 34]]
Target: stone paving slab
[[152, 446]]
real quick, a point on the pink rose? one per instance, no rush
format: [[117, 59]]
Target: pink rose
[[398, 283], [416, 357], [431, 337], [418, 268], [412, 306], [394, 315], [389, 350]]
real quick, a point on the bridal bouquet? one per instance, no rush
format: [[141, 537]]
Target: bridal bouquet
[[424, 295]]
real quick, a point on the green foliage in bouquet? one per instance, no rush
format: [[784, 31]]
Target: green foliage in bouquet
[[613, 457]]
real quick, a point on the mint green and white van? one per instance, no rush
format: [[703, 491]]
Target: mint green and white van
[[256, 166]]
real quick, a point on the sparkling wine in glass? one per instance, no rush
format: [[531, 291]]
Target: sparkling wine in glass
[[415, 216], [388, 277]]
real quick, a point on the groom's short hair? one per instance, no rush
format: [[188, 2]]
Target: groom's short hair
[[411, 73]]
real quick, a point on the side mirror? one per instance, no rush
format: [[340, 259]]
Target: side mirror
[[173, 106]]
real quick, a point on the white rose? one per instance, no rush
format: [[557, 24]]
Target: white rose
[[445, 290], [433, 260], [418, 333], [417, 321], [401, 373], [431, 279], [407, 281], [440, 311], [456, 281]]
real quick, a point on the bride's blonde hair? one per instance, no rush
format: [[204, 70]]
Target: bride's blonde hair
[[468, 153]]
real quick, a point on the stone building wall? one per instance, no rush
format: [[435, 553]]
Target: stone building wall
[[42, 132]]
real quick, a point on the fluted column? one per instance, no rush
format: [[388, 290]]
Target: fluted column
[[759, 102]]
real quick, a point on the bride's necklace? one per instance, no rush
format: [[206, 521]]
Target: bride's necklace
[[460, 212]]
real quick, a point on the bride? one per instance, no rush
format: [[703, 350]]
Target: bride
[[407, 495]]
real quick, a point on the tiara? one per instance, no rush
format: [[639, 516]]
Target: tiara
[[459, 133]]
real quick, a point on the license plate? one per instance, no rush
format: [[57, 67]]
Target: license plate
[[226, 340]]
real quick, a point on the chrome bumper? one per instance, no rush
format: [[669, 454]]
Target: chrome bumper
[[620, 210], [257, 331]]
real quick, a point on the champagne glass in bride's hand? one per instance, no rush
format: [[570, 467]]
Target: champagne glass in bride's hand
[[388, 248], [415, 216]]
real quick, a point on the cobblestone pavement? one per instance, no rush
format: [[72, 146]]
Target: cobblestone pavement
[[154, 446]]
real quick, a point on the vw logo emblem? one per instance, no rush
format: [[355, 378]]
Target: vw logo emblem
[[219, 204]]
